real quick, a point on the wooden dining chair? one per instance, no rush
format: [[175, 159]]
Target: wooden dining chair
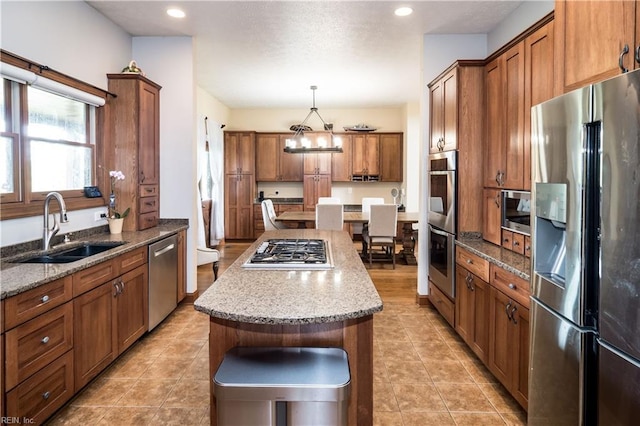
[[381, 236], [330, 217]]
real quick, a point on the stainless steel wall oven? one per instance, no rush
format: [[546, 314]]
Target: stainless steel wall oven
[[442, 220]]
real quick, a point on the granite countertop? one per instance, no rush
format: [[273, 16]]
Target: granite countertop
[[281, 200], [294, 296], [20, 277], [506, 259]]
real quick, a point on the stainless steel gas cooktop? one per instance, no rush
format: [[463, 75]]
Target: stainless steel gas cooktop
[[291, 253]]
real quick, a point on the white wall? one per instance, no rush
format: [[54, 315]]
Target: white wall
[[69, 37], [168, 61], [527, 14]]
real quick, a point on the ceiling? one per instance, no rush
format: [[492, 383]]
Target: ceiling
[[266, 54]]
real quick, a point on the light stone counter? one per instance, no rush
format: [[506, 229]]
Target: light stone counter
[[20, 277], [506, 259], [294, 296]]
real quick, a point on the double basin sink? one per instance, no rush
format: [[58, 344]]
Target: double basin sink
[[72, 254]]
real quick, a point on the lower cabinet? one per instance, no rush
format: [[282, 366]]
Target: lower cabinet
[[509, 344], [182, 265], [442, 303], [109, 319], [472, 311]]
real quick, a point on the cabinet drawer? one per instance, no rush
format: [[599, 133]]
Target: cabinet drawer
[[28, 305], [131, 260], [34, 344], [43, 393], [148, 204], [527, 246], [473, 263], [511, 285], [148, 190], [442, 304], [147, 220], [92, 277], [507, 239], [517, 243]]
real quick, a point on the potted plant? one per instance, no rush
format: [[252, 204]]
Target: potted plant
[[115, 219]]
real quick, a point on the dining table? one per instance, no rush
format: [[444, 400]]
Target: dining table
[[407, 219]]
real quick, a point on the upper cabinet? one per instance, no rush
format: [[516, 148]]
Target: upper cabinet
[[341, 167], [365, 156], [391, 157], [272, 163], [316, 163], [444, 112], [594, 40], [135, 134], [239, 153]]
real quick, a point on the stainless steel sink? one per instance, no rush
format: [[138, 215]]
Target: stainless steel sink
[[72, 255]]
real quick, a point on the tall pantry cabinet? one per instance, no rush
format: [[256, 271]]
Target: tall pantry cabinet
[[239, 184], [135, 136]]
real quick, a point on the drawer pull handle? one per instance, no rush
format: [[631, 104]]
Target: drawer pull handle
[[46, 395], [512, 286], [45, 339], [469, 261], [515, 243], [44, 299]]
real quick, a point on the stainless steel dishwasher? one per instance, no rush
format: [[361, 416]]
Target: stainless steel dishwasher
[[163, 279]]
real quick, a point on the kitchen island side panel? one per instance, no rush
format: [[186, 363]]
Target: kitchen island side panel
[[355, 336]]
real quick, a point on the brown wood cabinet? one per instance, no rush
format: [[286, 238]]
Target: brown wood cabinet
[[472, 311], [509, 344], [590, 37], [135, 135], [391, 157], [272, 163], [491, 229], [316, 163], [366, 156], [341, 163], [314, 187], [258, 227], [442, 303], [504, 155], [539, 77], [444, 111], [240, 185]]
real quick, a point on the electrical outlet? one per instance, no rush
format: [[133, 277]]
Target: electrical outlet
[[349, 190], [98, 216]]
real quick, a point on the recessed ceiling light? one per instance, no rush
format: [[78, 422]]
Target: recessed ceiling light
[[403, 11], [176, 13]]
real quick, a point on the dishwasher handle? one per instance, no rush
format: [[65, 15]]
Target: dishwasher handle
[[163, 250]]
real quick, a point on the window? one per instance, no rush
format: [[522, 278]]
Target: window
[[47, 143]]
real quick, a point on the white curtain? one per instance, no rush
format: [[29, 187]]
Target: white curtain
[[211, 160]]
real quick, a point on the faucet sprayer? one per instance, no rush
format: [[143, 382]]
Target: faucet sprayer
[[49, 233]]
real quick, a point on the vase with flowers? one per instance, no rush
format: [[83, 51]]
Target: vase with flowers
[[115, 218]]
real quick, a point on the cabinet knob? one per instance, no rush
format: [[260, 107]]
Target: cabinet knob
[[512, 286], [470, 262], [44, 299], [46, 395], [516, 243], [45, 340]]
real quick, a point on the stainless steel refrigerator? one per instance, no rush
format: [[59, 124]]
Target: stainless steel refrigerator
[[585, 310]]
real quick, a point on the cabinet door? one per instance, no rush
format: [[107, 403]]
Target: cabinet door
[[314, 187], [289, 165], [464, 305], [584, 55], [149, 142], [132, 307], [267, 156], [365, 154], [372, 156], [538, 83], [480, 342], [500, 348], [520, 342], [317, 163], [513, 165], [391, 158], [450, 110], [239, 206], [341, 162], [492, 216], [437, 116], [95, 343], [239, 152], [494, 152]]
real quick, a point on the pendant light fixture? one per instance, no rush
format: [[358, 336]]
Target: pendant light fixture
[[321, 141]]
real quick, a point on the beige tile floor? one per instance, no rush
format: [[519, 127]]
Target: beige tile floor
[[423, 375]]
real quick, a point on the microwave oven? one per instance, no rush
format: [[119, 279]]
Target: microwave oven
[[516, 211]]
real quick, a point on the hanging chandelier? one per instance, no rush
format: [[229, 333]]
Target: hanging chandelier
[[304, 139]]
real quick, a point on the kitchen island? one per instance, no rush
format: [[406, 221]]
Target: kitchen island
[[295, 307]]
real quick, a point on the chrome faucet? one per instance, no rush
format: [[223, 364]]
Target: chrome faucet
[[48, 233]]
